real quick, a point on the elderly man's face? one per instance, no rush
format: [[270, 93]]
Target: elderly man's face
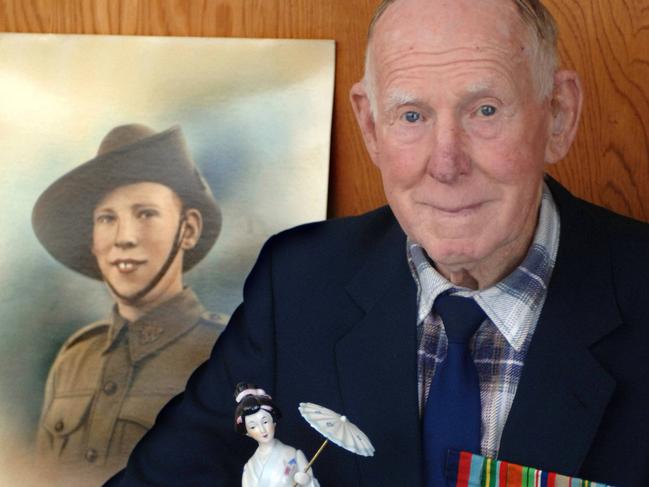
[[133, 234], [460, 134]]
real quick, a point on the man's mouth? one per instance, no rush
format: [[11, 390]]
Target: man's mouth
[[459, 210], [127, 265]]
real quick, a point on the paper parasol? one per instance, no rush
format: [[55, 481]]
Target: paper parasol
[[337, 428]]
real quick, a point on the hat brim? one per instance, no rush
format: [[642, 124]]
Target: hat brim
[[62, 216]]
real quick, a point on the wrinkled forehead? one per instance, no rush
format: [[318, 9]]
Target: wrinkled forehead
[[448, 27]]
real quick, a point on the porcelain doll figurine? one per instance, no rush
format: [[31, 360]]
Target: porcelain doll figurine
[[273, 464]]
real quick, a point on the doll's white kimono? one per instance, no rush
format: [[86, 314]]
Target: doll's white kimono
[[275, 468]]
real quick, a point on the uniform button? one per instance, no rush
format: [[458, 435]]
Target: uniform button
[[59, 426], [109, 388], [91, 455]]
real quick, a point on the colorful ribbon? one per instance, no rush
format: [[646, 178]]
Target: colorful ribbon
[[470, 470]]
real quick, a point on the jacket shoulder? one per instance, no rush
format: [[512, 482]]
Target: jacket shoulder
[[628, 238], [320, 255], [87, 332], [619, 228], [338, 234], [600, 233]]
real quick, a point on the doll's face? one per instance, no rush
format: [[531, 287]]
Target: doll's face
[[260, 426]]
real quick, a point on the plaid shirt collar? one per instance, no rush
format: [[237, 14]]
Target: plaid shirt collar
[[513, 304]]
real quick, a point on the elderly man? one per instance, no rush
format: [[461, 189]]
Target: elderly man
[[486, 310], [136, 217]]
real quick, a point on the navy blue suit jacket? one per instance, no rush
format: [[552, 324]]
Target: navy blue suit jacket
[[329, 317]]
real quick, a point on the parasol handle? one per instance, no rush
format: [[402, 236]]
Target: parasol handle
[[314, 458], [316, 455]]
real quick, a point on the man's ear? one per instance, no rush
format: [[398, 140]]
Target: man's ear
[[565, 106], [193, 228], [364, 116]]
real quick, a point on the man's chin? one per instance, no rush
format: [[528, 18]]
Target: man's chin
[[123, 293], [456, 253]]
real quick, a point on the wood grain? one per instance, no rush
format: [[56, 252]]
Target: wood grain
[[607, 42]]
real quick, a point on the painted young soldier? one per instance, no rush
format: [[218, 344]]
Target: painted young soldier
[[137, 216]]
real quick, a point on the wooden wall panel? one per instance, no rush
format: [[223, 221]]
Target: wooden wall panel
[[606, 41]]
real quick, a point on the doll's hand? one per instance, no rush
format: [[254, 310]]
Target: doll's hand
[[301, 478]]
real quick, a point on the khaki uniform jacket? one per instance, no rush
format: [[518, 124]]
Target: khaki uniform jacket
[[110, 380]]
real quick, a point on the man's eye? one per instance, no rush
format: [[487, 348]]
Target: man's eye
[[147, 214], [104, 219], [412, 117], [487, 110]]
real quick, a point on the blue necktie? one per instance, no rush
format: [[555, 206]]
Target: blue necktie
[[452, 413]]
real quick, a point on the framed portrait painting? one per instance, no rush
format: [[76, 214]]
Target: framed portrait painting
[[140, 178]]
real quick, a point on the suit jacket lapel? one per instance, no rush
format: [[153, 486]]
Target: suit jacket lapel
[[563, 390], [377, 366]]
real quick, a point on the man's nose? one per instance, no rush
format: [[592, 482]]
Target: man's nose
[[126, 233], [448, 159]]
